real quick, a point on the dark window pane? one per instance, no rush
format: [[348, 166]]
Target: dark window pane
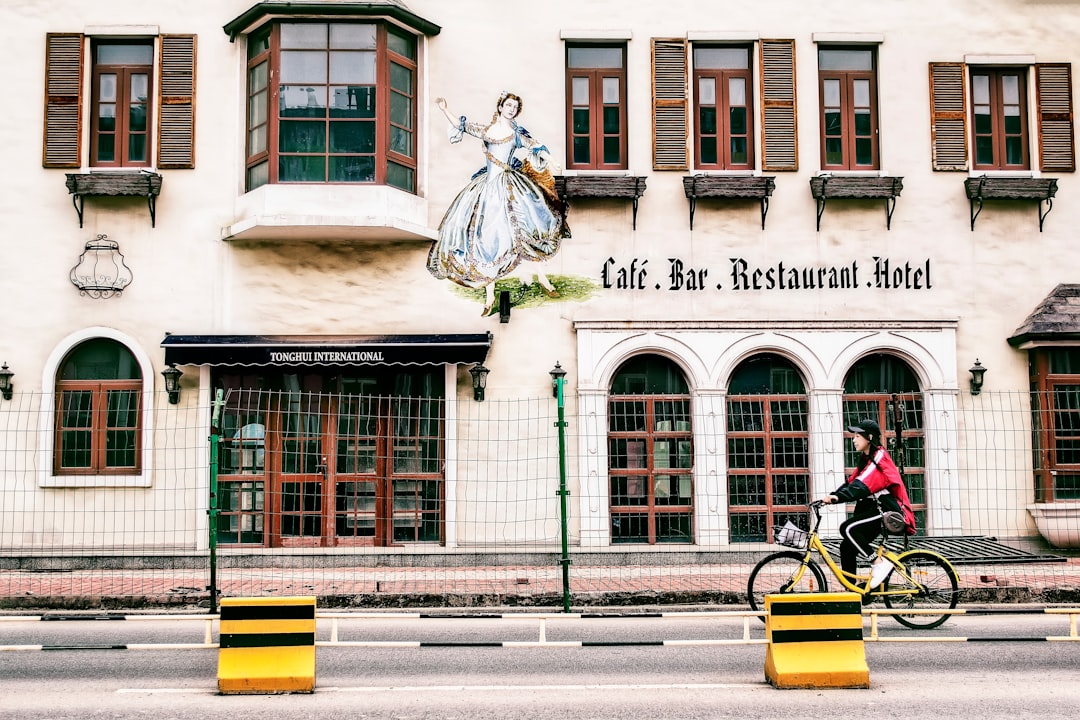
[[401, 44], [738, 151], [862, 124], [629, 527], [1014, 151], [707, 120], [106, 151], [984, 151], [302, 137], [581, 120], [352, 137], [612, 150], [708, 151], [864, 153], [399, 176], [737, 121], [137, 148], [301, 169], [673, 527], [746, 490], [612, 119], [401, 109], [833, 124], [106, 118], [748, 527], [357, 168], [833, 151], [401, 141], [581, 150]]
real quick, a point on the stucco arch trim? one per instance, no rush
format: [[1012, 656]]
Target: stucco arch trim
[[48, 414], [607, 363], [800, 354]]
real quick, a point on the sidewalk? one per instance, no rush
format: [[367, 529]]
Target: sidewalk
[[479, 586]]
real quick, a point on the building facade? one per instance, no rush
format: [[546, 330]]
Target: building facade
[[781, 220]]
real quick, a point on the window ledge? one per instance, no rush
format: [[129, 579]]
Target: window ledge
[[140, 183], [996, 187], [602, 186], [753, 187], [141, 480], [856, 187], [315, 212]]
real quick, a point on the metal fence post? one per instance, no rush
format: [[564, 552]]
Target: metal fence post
[[212, 510], [558, 378]]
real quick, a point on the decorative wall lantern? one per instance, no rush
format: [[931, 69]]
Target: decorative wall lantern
[[101, 272], [479, 381], [172, 383], [5, 382], [977, 371]]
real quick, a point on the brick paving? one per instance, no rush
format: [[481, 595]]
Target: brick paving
[[476, 586]]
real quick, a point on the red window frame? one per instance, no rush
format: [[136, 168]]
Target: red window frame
[[992, 134], [585, 116], [122, 133], [840, 127], [720, 131], [393, 165]]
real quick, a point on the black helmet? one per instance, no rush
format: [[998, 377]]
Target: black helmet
[[869, 429]]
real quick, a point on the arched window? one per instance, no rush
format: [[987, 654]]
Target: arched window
[[650, 453], [768, 447], [870, 389], [98, 411]]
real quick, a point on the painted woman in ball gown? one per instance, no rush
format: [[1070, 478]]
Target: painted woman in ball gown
[[509, 211]]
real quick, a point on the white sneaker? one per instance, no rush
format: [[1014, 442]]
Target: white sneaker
[[878, 572]]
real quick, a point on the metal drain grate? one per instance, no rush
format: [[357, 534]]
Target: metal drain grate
[[962, 550]]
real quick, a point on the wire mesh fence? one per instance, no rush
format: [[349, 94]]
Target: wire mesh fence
[[426, 501]]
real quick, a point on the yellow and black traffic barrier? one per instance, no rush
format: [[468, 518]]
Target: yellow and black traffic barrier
[[267, 645], [815, 640]]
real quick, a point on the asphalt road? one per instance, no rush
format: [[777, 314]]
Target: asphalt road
[[472, 675]]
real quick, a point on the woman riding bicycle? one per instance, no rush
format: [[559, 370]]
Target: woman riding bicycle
[[875, 481]]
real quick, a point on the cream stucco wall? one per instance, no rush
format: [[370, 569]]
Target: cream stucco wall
[[312, 272]]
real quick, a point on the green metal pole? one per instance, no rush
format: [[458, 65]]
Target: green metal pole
[[558, 376], [212, 511]]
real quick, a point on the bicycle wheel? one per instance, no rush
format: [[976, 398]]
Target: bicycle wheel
[[776, 574], [936, 589]]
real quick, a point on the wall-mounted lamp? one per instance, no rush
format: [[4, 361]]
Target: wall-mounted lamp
[[479, 381], [5, 381], [977, 371], [557, 373], [172, 383]]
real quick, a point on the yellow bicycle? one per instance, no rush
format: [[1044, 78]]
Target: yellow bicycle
[[920, 579]]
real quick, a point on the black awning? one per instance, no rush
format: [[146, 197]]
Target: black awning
[[325, 350]]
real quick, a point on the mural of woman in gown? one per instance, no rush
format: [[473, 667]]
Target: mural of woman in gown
[[509, 211]]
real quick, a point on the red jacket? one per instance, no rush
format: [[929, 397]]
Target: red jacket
[[879, 477]]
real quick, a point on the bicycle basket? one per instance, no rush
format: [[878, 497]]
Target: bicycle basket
[[790, 535]]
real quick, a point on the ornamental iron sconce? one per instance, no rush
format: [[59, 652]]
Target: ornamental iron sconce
[[5, 381], [977, 371], [172, 383], [557, 374], [479, 381], [101, 272]]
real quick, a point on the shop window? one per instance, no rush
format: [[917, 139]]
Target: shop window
[[883, 387], [337, 460], [650, 453], [847, 80], [1055, 379], [346, 104], [98, 411], [768, 447], [596, 107]]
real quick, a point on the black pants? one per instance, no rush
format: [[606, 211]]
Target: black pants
[[857, 534]]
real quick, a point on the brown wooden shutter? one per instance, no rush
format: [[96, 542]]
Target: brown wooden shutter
[[669, 105], [176, 121], [779, 127], [1053, 95], [948, 117], [62, 146]]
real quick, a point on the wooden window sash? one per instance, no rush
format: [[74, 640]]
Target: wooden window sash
[[1053, 97], [596, 135], [723, 127], [997, 119], [62, 146], [847, 113], [670, 106], [176, 102], [779, 121], [122, 134], [948, 116], [99, 393]]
